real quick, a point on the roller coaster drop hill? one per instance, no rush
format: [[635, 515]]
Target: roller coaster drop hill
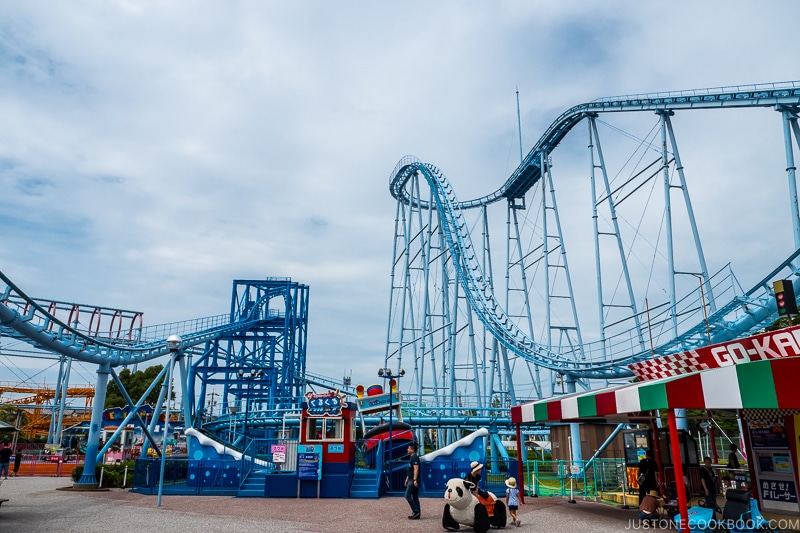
[[256, 352]]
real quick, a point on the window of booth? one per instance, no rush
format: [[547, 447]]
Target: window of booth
[[325, 429], [333, 430]]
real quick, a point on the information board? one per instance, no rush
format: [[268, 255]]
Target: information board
[[768, 434], [778, 490], [379, 402], [309, 462], [278, 452]]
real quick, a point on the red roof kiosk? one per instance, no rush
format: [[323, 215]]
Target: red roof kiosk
[[755, 376]]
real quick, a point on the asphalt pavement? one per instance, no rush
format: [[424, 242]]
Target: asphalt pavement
[[46, 505]]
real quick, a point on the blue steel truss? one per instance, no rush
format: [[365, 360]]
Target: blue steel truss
[[265, 330], [463, 355], [260, 370]]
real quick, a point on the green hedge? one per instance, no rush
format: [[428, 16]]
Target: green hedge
[[112, 474]]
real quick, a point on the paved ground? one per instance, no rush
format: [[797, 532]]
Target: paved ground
[[37, 506]]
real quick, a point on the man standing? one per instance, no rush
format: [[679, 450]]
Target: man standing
[[412, 481], [708, 479], [5, 457], [647, 475], [17, 461], [733, 464]]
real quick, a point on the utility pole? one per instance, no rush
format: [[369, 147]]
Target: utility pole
[[210, 409]]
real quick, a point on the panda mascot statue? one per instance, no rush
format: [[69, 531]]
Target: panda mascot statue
[[464, 508]]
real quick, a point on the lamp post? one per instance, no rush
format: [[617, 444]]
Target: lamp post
[[232, 409], [386, 373], [208, 415], [249, 377], [174, 345]]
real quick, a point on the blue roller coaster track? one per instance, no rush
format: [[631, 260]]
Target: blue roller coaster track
[[758, 302], [448, 319], [444, 286]]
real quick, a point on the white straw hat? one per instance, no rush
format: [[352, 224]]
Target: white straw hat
[[511, 483]]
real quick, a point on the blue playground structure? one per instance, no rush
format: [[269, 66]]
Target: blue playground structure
[[476, 332]]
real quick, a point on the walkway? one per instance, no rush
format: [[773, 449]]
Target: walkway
[[36, 506]]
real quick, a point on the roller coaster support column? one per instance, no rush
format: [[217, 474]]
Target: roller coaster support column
[[53, 436], [62, 402], [174, 344], [574, 428], [88, 480], [665, 162], [188, 420], [154, 419], [790, 123]]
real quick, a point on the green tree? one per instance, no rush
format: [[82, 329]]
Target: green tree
[[136, 384], [783, 322], [8, 414], [725, 420]]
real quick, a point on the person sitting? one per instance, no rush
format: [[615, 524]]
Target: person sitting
[[649, 506], [647, 474], [474, 476]]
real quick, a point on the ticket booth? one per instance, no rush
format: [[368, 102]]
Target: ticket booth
[[637, 441], [327, 449]]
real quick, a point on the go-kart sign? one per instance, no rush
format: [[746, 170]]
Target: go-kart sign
[[309, 461], [771, 345], [328, 404]]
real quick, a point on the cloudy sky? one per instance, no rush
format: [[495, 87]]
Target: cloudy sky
[[152, 152]]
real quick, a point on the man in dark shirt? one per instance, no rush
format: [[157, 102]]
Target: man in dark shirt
[[708, 481], [17, 462], [733, 464], [412, 481], [647, 475], [5, 457]]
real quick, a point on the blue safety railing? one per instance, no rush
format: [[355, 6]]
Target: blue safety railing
[[184, 476]]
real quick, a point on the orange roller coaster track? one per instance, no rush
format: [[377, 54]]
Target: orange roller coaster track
[[37, 401]]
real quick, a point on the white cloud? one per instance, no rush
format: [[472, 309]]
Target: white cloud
[[151, 153]]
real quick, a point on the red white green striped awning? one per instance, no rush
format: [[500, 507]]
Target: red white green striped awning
[[770, 384]]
